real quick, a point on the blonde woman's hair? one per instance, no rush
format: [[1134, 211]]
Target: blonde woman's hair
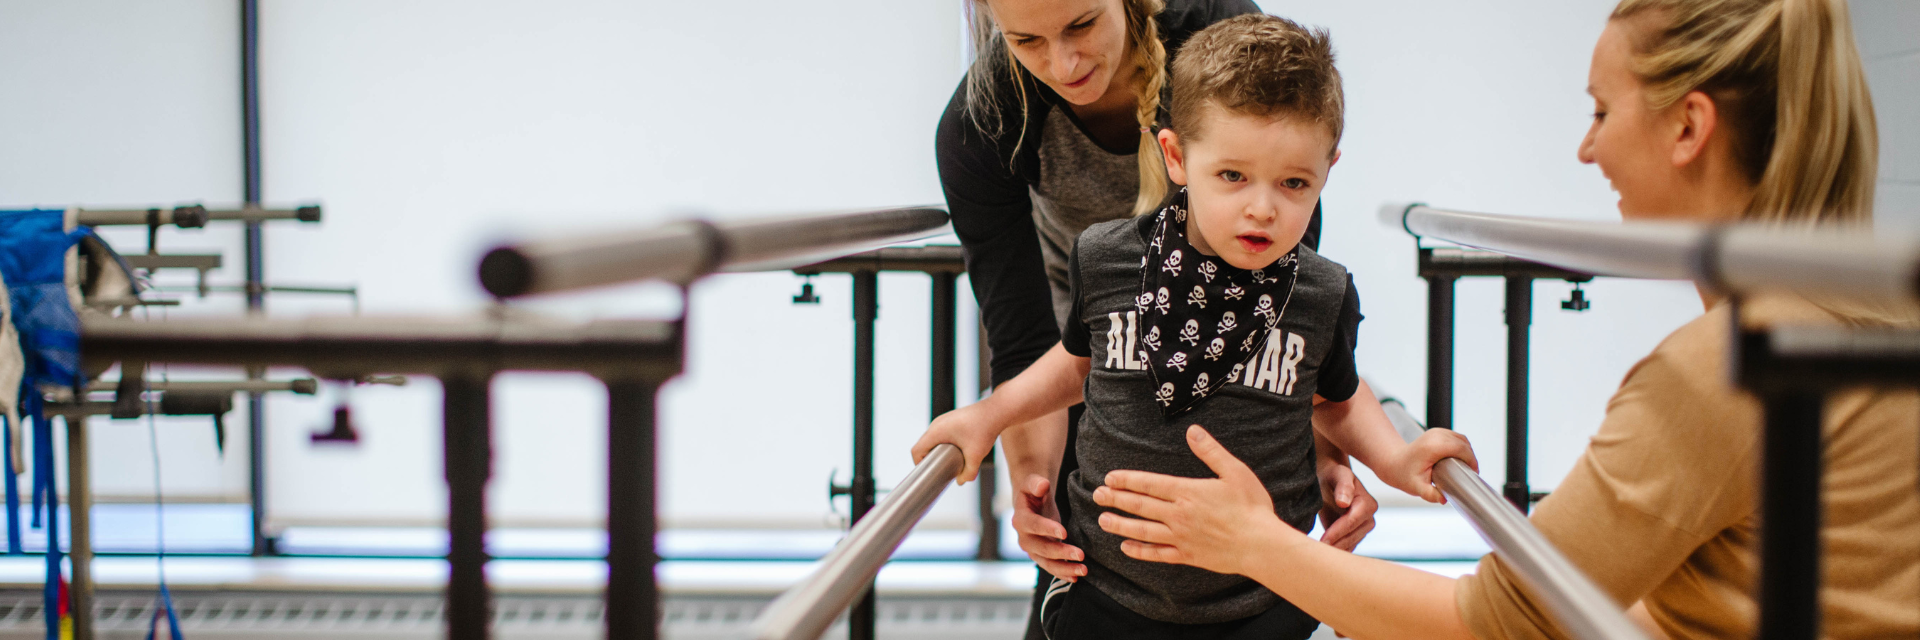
[[992, 59], [1788, 82]]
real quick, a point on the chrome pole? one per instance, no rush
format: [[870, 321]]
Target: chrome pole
[[1581, 608], [806, 610]]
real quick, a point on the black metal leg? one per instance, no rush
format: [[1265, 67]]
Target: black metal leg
[[864, 312], [866, 309], [1790, 518], [945, 330], [1519, 321], [469, 460], [1440, 352], [263, 544], [632, 598], [256, 264]]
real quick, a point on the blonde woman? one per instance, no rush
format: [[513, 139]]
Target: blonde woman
[[1705, 110], [1052, 131]]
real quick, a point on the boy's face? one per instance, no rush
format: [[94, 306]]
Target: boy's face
[[1252, 182]]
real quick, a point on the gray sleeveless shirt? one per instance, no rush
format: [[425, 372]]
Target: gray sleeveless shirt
[[1080, 185]]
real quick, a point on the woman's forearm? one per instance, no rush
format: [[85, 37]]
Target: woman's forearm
[[1358, 596]]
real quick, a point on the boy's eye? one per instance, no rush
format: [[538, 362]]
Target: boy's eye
[[1599, 115], [1232, 176], [1294, 183]]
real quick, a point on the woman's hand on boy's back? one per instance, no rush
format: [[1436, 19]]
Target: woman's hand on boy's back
[[1036, 520], [966, 428], [1412, 470]]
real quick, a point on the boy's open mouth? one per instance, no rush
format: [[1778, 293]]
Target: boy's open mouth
[[1254, 243]]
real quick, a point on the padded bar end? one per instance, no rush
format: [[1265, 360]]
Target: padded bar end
[[1394, 214], [190, 216], [505, 272], [309, 213]]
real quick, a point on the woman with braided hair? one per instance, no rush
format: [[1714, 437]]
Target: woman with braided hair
[[1052, 131]]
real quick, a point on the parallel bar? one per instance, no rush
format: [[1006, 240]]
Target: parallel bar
[[469, 465], [192, 216], [632, 597], [1790, 520], [1735, 258], [1582, 609], [930, 259], [805, 611], [686, 250], [346, 348], [303, 386], [1519, 325], [155, 261], [866, 309], [1459, 263]]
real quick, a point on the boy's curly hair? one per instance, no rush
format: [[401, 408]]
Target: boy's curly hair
[[1259, 65]]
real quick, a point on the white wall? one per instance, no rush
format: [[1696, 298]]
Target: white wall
[[430, 129], [1886, 32]]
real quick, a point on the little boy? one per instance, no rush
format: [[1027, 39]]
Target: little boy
[[1210, 313]]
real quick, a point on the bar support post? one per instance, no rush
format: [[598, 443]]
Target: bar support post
[[1790, 517], [1439, 349], [263, 543], [1519, 321], [80, 527], [632, 598], [469, 461], [866, 309]]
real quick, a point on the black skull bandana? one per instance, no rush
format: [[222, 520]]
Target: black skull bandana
[[1203, 318]]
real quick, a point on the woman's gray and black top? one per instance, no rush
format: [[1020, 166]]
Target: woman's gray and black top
[[1020, 195]]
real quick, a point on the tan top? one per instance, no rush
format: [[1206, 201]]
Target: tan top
[[1661, 506]]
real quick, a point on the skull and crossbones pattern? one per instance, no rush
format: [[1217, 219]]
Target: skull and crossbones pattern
[[1197, 346], [1227, 323], [1216, 348], [1190, 333]]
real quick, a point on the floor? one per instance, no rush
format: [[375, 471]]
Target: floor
[[382, 582]]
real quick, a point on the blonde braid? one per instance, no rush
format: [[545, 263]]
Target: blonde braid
[[1150, 58]]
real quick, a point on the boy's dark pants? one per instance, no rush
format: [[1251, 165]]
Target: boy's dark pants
[[1084, 613]]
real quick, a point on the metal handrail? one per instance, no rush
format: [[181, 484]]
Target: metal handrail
[[689, 249], [805, 611], [1582, 609], [192, 215], [1728, 257]]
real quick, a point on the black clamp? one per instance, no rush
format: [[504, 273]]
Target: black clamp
[[806, 295], [1577, 302]]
